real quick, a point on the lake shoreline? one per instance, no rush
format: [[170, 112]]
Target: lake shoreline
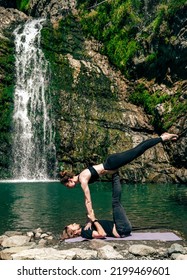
[[40, 245]]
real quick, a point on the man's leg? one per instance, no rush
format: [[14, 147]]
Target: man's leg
[[121, 221]]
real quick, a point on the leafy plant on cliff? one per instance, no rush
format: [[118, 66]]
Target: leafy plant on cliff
[[22, 5], [142, 97], [127, 29], [173, 107], [6, 86], [176, 108], [6, 104], [173, 5], [134, 31], [115, 24], [6, 109]]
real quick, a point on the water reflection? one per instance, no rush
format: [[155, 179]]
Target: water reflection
[[180, 197]]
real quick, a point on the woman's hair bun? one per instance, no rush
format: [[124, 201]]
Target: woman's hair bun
[[63, 173], [65, 176]]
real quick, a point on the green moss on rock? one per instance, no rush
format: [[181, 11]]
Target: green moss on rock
[[6, 105]]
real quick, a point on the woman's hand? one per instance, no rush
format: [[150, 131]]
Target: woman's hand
[[88, 226], [91, 216]]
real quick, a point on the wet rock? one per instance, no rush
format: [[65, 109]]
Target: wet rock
[[9, 16], [51, 8]]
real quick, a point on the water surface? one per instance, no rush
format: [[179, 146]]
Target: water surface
[[50, 205]]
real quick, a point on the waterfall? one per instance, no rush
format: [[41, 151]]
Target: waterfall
[[33, 126]]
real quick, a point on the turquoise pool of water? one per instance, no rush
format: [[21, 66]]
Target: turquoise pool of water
[[50, 205]]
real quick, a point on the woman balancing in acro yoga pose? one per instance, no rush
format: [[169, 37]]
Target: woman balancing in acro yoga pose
[[110, 166], [119, 227]]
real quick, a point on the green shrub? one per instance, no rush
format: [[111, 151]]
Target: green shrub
[[142, 97], [172, 106], [152, 57], [6, 109], [174, 5], [161, 14], [22, 5]]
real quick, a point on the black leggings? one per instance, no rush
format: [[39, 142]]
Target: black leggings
[[123, 226], [117, 160]]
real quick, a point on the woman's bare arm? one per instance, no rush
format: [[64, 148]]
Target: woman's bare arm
[[84, 177], [87, 196], [99, 232]]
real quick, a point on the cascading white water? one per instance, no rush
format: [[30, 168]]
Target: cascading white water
[[33, 142]]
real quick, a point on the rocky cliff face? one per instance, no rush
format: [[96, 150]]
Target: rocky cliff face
[[170, 43], [90, 99], [51, 8]]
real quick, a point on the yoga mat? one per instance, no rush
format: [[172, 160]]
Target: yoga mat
[[161, 236]]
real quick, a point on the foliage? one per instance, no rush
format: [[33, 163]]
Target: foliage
[[135, 30], [115, 24], [152, 57], [173, 5], [142, 97], [178, 109], [172, 106], [22, 5], [6, 87], [160, 16], [6, 104], [6, 108], [122, 26]]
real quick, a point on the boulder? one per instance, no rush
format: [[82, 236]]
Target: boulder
[[54, 254], [109, 253], [141, 250], [6, 254], [15, 241], [176, 248]]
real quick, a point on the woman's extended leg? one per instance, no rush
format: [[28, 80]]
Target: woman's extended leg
[[117, 160], [121, 221]]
